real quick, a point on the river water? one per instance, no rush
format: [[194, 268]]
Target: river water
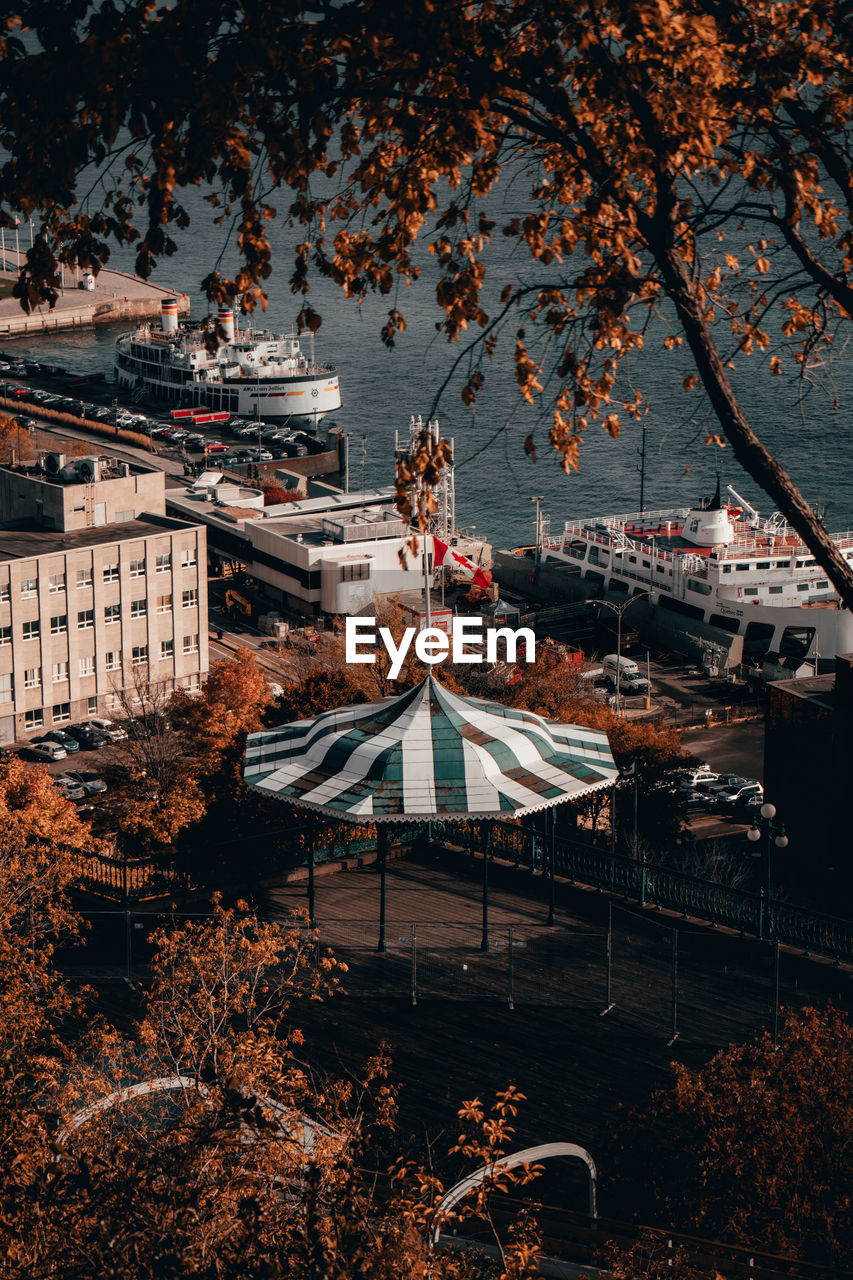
[[495, 480]]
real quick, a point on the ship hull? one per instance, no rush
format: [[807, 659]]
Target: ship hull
[[256, 376]]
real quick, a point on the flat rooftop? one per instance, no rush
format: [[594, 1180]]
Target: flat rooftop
[[111, 468], [20, 539], [817, 689]]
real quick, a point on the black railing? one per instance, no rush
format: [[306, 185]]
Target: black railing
[[635, 879], [651, 884]]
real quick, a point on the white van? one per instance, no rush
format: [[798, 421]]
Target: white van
[[625, 666], [631, 679]]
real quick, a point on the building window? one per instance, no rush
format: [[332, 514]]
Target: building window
[[57, 583], [112, 613], [61, 712], [803, 586], [122, 517], [32, 677], [60, 672], [167, 649], [138, 608], [7, 688], [113, 702], [31, 630], [29, 587], [164, 604], [775, 591], [113, 660], [5, 593], [59, 624], [191, 644], [192, 684], [163, 563], [87, 667], [821, 586], [85, 619], [5, 635], [188, 558], [137, 568], [750, 591], [84, 577], [33, 719], [189, 599], [92, 706], [110, 573], [139, 654], [358, 572]]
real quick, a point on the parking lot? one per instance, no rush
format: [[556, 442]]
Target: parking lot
[[230, 441]]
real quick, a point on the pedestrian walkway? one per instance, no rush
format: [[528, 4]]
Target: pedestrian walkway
[[116, 296]]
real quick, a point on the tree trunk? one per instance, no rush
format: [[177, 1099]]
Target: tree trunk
[[747, 448]]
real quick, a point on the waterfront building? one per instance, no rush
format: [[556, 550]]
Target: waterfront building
[[332, 554], [98, 586]]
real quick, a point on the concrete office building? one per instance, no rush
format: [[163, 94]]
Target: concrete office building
[[97, 586]]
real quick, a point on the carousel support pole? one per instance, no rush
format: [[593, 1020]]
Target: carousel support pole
[[484, 940], [311, 915], [381, 854], [552, 902]]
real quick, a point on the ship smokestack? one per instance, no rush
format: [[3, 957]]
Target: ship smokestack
[[226, 323], [169, 315]]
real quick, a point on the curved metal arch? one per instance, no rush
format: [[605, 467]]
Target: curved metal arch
[[530, 1155], [296, 1128]]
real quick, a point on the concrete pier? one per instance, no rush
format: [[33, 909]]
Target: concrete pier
[[117, 296]]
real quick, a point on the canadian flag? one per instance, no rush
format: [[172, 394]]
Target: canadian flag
[[442, 553]]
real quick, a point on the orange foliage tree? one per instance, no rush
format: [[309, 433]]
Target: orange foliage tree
[[640, 140], [754, 1147], [195, 1144]]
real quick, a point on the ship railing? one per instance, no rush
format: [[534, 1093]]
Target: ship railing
[[671, 515]]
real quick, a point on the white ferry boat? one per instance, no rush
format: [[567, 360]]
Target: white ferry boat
[[254, 373], [713, 572]]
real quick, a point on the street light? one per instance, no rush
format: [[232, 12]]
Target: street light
[[537, 499], [762, 824], [619, 609]]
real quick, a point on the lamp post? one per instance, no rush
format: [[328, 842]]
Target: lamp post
[[762, 824], [537, 499], [619, 609]]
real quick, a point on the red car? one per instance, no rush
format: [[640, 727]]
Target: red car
[[216, 448]]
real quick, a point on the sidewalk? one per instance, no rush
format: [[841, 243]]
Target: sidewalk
[[117, 296]]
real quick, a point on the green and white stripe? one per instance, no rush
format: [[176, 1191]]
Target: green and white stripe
[[428, 753]]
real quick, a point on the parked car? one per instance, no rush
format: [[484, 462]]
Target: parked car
[[64, 739], [70, 787], [691, 799], [47, 751], [90, 739], [91, 783], [737, 797], [194, 442], [724, 782], [699, 775], [113, 731]]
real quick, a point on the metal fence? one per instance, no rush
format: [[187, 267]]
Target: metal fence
[[650, 884], [675, 980], [578, 861]]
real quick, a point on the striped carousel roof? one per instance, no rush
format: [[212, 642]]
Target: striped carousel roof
[[428, 753]]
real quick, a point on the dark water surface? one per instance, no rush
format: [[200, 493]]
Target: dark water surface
[[381, 389]]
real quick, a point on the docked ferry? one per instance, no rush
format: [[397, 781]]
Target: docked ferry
[[253, 373], [713, 573]]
